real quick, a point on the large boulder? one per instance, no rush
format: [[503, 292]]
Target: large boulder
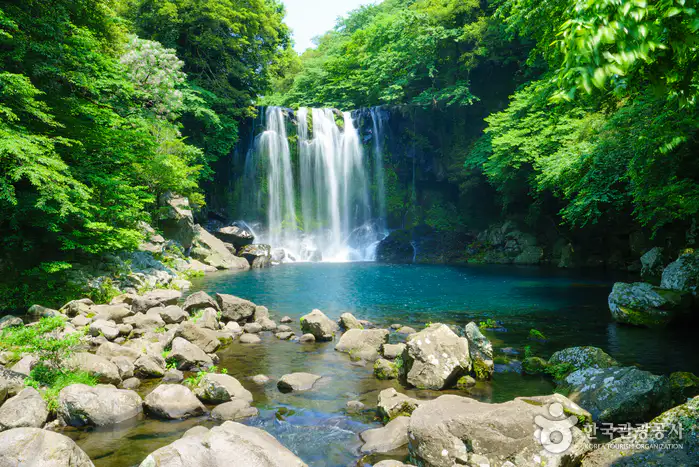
[[296, 382], [189, 356], [236, 409], [212, 251], [235, 308], [435, 358], [642, 304], [322, 327], [110, 350], [230, 444], [217, 388], [115, 313], [173, 401], [104, 370], [108, 329], [647, 444], [173, 314], [26, 409], [205, 339], [348, 321], [11, 383], [481, 352], [392, 404], [199, 301], [149, 366], [40, 448], [682, 275], [9, 321], [258, 255], [618, 394], [363, 344], [177, 221], [652, 263], [236, 235], [386, 439], [81, 405], [580, 358], [453, 430]]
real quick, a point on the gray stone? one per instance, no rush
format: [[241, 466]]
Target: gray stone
[[652, 263], [81, 405], [39, 311], [150, 366], [189, 356], [580, 358], [235, 308], [385, 369], [642, 304], [125, 366], [104, 370], [11, 383], [261, 312], [108, 329], [146, 322], [173, 314], [284, 328], [34, 447], [231, 444], [682, 275], [354, 406], [348, 321], [208, 320], [297, 382], [236, 235], [258, 255], [285, 336], [115, 313], [234, 410], [217, 388], [173, 376], [363, 344], [252, 328], [307, 339], [392, 463], [205, 339], [392, 404], [173, 401], [212, 251], [25, 364], [406, 330], [199, 301], [453, 430], [26, 409], [250, 339], [177, 222], [392, 351], [77, 307], [435, 358], [322, 327], [481, 352], [9, 321], [643, 445], [285, 320], [618, 394], [80, 321], [131, 383], [260, 380], [386, 439], [111, 350], [267, 324]]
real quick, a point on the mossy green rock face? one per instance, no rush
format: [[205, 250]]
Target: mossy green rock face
[[583, 357], [534, 365], [682, 275], [481, 351], [678, 426], [642, 304], [684, 385], [465, 382], [385, 369], [618, 394]]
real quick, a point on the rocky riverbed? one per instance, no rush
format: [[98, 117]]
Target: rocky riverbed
[[179, 383]]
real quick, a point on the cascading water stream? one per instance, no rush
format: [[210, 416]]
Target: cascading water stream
[[332, 181]]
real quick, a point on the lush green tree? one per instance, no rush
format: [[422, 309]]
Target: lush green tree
[[229, 48]]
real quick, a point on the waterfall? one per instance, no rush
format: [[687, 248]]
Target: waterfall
[[332, 182]]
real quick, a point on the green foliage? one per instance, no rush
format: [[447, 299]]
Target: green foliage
[[536, 335], [50, 382], [560, 370], [396, 52], [40, 339], [489, 324], [194, 380]]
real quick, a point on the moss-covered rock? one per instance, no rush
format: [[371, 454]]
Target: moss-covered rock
[[583, 357], [534, 365], [385, 369], [641, 304], [683, 385], [465, 382]]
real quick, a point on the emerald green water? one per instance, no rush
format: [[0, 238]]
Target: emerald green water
[[568, 308]]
